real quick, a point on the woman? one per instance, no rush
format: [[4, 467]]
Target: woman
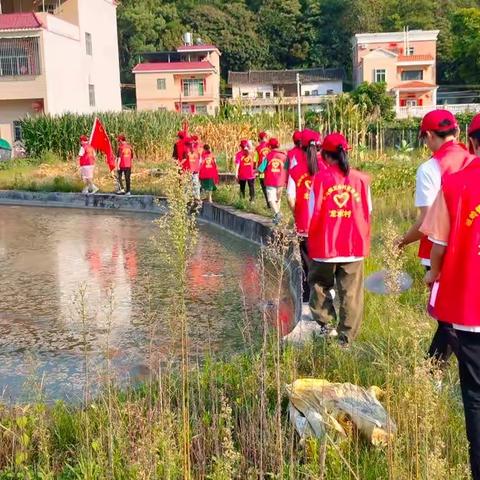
[[304, 164], [86, 161], [208, 172], [261, 151], [338, 240], [274, 166], [245, 170]]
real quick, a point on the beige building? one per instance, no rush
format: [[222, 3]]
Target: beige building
[[57, 56], [406, 61], [186, 81]]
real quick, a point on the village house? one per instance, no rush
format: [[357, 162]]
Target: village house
[[186, 80], [266, 90], [57, 56]]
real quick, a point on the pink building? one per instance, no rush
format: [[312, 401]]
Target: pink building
[[57, 56], [186, 80], [405, 61]]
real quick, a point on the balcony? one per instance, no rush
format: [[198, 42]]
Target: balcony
[[418, 112], [280, 101], [415, 60]]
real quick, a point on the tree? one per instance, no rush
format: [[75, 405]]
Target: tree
[[375, 100]]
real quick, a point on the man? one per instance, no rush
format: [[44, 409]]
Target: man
[[453, 224], [179, 147], [124, 164], [439, 130], [86, 161]]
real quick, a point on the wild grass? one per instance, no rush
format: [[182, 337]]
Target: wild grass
[[222, 419]]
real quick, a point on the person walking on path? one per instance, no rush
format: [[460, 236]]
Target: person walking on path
[[208, 172], [338, 240], [304, 164], [261, 151], [179, 147], [193, 165], [274, 166], [453, 225], [245, 170], [86, 161], [297, 150], [124, 164], [439, 130]]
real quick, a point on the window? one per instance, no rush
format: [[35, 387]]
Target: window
[[330, 92], [259, 94], [409, 75], [161, 84], [91, 95], [410, 50], [17, 131], [88, 43], [411, 103], [244, 94], [315, 93], [201, 109], [268, 94], [379, 75], [19, 56], [306, 93], [193, 87]]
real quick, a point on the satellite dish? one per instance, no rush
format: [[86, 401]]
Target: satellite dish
[[385, 282]]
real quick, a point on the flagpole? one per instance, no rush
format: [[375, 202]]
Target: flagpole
[[93, 129]]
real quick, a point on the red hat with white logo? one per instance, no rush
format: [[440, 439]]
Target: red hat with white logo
[[297, 136], [244, 144], [262, 135], [438, 121], [181, 134], [334, 142], [310, 137], [273, 143], [474, 125]]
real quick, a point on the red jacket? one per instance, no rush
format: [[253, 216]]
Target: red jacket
[[125, 154], [275, 173], [208, 168], [246, 165], [88, 156], [340, 224], [457, 300], [303, 184], [451, 157]]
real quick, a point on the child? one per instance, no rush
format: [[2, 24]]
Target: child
[[86, 160], [208, 172], [245, 170], [124, 163]]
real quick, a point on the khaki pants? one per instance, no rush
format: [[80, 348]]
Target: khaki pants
[[349, 280]]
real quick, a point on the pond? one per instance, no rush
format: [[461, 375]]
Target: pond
[[86, 288]]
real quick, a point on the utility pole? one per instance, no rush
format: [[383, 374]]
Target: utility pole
[[299, 103]]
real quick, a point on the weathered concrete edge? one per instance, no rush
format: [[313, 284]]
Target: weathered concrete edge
[[103, 201], [257, 229]]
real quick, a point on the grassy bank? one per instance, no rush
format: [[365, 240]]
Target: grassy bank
[[227, 418]]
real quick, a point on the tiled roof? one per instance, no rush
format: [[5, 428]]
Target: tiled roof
[[172, 66], [414, 84], [185, 48], [282, 77], [415, 58], [19, 21]]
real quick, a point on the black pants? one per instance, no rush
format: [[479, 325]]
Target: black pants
[[264, 190], [127, 172], [305, 267], [469, 367], [444, 342], [251, 188]]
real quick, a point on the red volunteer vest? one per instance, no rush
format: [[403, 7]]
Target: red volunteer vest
[[262, 151], [303, 184], [295, 152], [180, 149], [275, 174], [340, 225], [451, 157], [457, 299], [246, 165], [88, 157], [193, 161], [208, 168], [126, 155]]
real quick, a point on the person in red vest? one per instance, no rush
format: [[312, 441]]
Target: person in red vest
[[338, 240], [86, 161], [453, 225], [439, 130], [261, 151], [179, 147], [208, 173], [297, 150], [303, 165], [274, 166], [124, 164], [245, 169], [193, 164]]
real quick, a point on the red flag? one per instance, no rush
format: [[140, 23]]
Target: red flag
[[99, 141]]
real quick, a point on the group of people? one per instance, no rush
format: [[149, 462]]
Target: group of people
[[331, 204], [120, 166], [198, 159]]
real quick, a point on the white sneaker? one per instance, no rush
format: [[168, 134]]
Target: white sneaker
[[85, 191], [121, 192], [128, 194], [306, 312], [95, 189], [333, 294]]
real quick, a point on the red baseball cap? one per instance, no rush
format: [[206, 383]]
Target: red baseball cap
[[332, 142], [438, 121], [474, 125], [244, 144], [194, 138], [181, 134], [273, 143], [84, 138], [309, 137], [262, 135], [297, 136], [121, 138]]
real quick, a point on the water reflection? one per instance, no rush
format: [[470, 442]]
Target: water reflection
[[49, 258]]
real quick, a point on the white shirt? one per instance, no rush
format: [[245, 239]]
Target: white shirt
[[428, 184], [291, 185]]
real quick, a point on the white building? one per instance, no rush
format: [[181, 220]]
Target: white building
[[266, 89], [57, 56]]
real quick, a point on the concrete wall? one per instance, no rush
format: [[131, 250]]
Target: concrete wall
[[11, 110]]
